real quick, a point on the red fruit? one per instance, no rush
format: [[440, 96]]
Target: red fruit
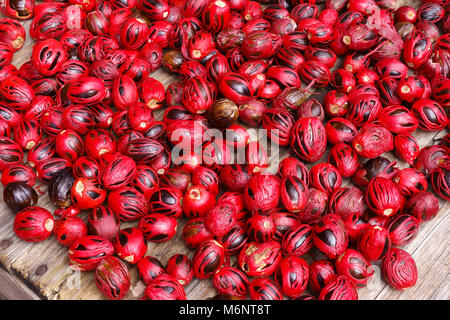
[[78, 118], [197, 201], [127, 203], [48, 57], [330, 236], [372, 141], [96, 22], [405, 14], [145, 180], [391, 67], [260, 259], [283, 76], [18, 173], [294, 193], [27, 133], [252, 10], [325, 177], [279, 124], [335, 103], [355, 267], [432, 12], [86, 252], [144, 150], [262, 193], [154, 9], [235, 177], [236, 88], [261, 228], [256, 157], [430, 114], [399, 269], [410, 181], [423, 205], [216, 153], [315, 73], [403, 229], [431, 157], [167, 201], [69, 145], [412, 88], [112, 278], [340, 130], [236, 199], [87, 90], [16, 93], [86, 167], [216, 15], [289, 268], [264, 289], [198, 95], [200, 45], [318, 32], [40, 103], [33, 224], [440, 181], [206, 177], [251, 112], [343, 80], [21, 11], [316, 207], [152, 93], [339, 288], [130, 245], [344, 158], [208, 258], [347, 202], [46, 170], [383, 197], [164, 287], [234, 240], [374, 242], [195, 232], [158, 227], [398, 119], [67, 230], [12, 33], [149, 268], [134, 33], [230, 281], [363, 109], [124, 92], [417, 49], [289, 57], [406, 148], [321, 272], [260, 45], [87, 193], [70, 211], [309, 139], [118, 173], [291, 166], [180, 267], [360, 37], [102, 221], [220, 219], [298, 240]]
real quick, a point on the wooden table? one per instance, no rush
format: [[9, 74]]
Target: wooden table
[[41, 270]]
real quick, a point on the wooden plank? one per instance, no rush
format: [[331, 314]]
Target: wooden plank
[[13, 288], [44, 266]]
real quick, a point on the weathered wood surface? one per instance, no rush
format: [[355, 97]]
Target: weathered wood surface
[[40, 270]]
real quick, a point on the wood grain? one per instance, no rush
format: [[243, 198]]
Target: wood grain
[[41, 270]]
